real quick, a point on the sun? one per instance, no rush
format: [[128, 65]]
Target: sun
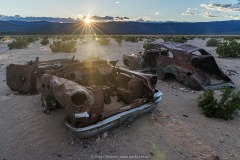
[[87, 20]]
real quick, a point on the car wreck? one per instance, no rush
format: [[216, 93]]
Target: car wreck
[[190, 65], [96, 95]]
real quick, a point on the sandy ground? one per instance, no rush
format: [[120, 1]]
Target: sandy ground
[[177, 129]]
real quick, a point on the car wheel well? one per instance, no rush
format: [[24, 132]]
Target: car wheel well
[[126, 62], [169, 76]]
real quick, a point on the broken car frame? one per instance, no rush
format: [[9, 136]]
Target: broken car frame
[[96, 95], [190, 65]]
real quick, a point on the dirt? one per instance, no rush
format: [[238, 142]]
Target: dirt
[[176, 129]]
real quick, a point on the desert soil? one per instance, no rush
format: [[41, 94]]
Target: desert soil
[[177, 129]]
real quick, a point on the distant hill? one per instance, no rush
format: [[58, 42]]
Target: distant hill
[[44, 27]]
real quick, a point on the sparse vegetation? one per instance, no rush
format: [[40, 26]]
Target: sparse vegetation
[[31, 39], [213, 42], [229, 49], [178, 39], [148, 42], [93, 57], [119, 40], [45, 41], [104, 41], [66, 47], [131, 39], [224, 108], [19, 43]]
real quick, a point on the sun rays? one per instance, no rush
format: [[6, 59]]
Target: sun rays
[[87, 26]]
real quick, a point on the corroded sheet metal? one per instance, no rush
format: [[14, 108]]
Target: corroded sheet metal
[[21, 78]]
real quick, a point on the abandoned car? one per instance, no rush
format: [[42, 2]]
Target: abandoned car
[[96, 95], [190, 65]]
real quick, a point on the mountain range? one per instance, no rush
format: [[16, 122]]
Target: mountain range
[[44, 27]]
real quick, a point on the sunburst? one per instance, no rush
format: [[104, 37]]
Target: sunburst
[[87, 26]]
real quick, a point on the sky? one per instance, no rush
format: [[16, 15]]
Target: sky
[[139, 10]]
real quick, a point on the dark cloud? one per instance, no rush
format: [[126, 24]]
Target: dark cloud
[[98, 18], [118, 18], [64, 20]]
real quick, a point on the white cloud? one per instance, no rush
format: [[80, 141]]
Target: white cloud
[[190, 12], [143, 19], [157, 13], [233, 16], [208, 15], [222, 7], [214, 10], [117, 2]]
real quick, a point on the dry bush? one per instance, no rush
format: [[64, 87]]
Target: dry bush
[[225, 108], [19, 43], [65, 47], [229, 49]]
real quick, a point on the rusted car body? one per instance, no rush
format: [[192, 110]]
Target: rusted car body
[[190, 65], [96, 95], [23, 78]]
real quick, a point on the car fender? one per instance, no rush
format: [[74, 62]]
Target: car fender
[[184, 76]]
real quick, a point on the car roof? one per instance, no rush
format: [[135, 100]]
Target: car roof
[[178, 46]]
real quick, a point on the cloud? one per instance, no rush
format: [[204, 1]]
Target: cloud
[[157, 13], [233, 16], [117, 2], [143, 19], [118, 18], [213, 10], [190, 12], [222, 7], [98, 18], [208, 15]]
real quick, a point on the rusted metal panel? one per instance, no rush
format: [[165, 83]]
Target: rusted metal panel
[[23, 78]]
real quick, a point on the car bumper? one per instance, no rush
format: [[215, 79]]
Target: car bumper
[[116, 120]]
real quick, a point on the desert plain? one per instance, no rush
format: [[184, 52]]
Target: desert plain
[[176, 129]]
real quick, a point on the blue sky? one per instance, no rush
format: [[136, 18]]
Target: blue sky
[[153, 10]]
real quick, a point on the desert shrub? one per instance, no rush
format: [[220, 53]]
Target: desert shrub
[[104, 41], [131, 39], [19, 43], [178, 39], [231, 38], [67, 38], [44, 41], [31, 39], [146, 43], [93, 57], [140, 38], [67, 47], [119, 39], [229, 49], [213, 42], [190, 37], [225, 108]]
